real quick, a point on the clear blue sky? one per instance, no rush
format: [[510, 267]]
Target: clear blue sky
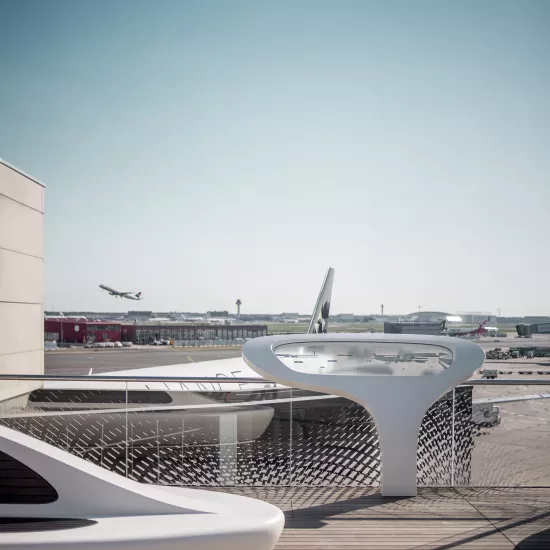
[[209, 150]]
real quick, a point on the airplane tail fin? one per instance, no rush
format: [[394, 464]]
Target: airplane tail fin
[[319, 319], [138, 295]]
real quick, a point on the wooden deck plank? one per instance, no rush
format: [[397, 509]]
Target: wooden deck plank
[[328, 518]]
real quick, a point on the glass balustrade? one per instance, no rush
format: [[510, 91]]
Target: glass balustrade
[[221, 432]]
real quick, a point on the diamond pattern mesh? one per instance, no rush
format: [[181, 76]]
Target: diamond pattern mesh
[[324, 442]]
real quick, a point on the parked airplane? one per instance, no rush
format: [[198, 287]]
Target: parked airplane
[[118, 294], [482, 329]]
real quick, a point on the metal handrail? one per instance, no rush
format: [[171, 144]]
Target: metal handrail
[[218, 379], [96, 378], [504, 382]]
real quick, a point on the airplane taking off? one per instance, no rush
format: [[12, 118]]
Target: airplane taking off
[[201, 405], [218, 368], [118, 294]]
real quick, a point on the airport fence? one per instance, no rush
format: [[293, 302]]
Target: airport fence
[[247, 431]]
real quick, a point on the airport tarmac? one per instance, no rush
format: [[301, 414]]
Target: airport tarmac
[[80, 361], [516, 451], [516, 368], [488, 343], [105, 360]]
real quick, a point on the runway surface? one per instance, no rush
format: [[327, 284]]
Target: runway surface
[[513, 341], [106, 360], [517, 451]]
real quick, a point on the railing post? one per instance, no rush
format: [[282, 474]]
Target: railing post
[[453, 442], [290, 436], [126, 432], [228, 461], [102, 442], [158, 454], [182, 444]]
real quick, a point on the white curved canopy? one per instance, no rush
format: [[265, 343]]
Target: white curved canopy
[[126, 514], [396, 377]]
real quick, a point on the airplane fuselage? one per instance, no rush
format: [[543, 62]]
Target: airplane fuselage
[[118, 294]]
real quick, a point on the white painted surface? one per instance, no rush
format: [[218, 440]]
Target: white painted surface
[[396, 402], [170, 532], [21, 328], [131, 514], [21, 188], [21, 277], [28, 362], [85, 490], [21, 228], [221, 369]]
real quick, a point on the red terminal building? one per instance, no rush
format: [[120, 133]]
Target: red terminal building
[[80, 331], [76, 331]]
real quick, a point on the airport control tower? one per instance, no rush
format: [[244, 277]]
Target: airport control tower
[[238, 303]]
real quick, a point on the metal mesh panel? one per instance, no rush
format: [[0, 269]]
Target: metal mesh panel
[[445, 441], [291, 441], [336, 444]]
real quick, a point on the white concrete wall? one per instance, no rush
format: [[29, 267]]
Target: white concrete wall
[[21, 278]]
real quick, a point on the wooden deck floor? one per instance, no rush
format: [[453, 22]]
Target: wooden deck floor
[[443, 519]]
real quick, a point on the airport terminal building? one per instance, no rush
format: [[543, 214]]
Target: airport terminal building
[[21, 277], [147, 333], [78, 331]]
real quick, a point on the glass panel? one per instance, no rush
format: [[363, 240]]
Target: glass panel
[[223, 434], [226, 436], [264, 456], [257, 434], [76, 419], [335, 442]]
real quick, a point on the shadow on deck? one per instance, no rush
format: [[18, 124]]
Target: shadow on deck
[[438, 518]]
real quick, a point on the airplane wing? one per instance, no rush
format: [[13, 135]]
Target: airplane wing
[[108, 288]]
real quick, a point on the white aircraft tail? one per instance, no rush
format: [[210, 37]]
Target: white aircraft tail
[[319, 319]]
